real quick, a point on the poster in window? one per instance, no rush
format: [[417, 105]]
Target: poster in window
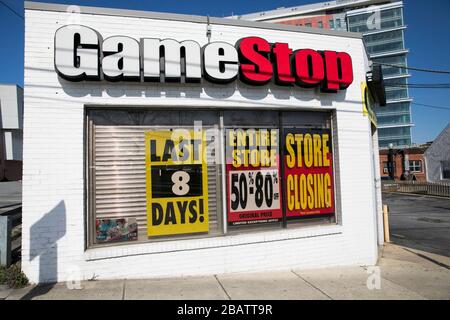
[[114, 230], [177, 189], [368, 104], [308, 173], [253, 176]]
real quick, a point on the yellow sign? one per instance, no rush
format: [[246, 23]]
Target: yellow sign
[[368, 103], [177, 182]]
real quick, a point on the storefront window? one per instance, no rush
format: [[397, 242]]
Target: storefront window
[[156, 175], [129, 160]]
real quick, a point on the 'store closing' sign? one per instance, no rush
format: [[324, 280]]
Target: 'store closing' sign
[[308, 172], [177, 190]]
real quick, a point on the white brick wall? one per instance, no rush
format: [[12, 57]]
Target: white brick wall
[[53, 173]]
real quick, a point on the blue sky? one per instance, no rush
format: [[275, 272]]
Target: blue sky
[[426, 37]]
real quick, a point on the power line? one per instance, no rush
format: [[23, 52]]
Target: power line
[[11, 9], [400, 86], [431, 106], [420, 84], [433, 85], [411, 68]]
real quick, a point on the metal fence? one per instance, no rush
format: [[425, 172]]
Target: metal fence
[[418, 187]]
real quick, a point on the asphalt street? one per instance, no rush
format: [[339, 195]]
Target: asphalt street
[[419, 222], [11, 200], [10, 194]]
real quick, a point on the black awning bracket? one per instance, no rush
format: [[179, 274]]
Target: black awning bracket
[[375, 83]]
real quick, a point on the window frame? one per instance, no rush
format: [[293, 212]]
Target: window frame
[[442, 169], [386, 167], [414, 166], [89, 215], [331, 24]]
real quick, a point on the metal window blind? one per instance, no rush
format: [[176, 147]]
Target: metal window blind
[[118, 182]]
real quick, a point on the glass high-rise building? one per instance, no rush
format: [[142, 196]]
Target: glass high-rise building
[[383, 28]]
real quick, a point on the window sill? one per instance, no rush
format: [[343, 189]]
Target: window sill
[[122, 250]]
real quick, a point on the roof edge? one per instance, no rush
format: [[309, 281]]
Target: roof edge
[[439, 137], [305, 9], [31, 5], [4, 84]]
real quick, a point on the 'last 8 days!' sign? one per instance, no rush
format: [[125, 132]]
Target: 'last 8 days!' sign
[[253, 176], [177, 189]]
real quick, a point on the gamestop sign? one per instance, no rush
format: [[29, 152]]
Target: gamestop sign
[[82, 54]]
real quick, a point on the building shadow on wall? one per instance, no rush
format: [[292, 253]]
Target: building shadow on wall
[[44, 235], [204, 89]]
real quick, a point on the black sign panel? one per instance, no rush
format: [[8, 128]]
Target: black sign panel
[[176, 181]]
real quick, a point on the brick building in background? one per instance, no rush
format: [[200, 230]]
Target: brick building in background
[[406, 161], [428, 162]]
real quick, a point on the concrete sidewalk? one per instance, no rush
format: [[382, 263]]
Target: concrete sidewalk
[[405, 274]]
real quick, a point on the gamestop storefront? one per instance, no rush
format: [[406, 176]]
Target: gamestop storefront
[[170, 145]]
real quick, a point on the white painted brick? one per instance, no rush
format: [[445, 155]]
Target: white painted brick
[[54, 150]]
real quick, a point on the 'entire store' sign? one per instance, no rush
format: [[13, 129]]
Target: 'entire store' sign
[[82, 54]]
